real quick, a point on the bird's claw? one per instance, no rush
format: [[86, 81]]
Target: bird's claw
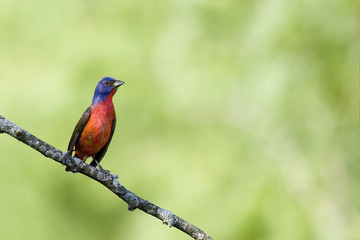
[[103, 170], [66, 157]]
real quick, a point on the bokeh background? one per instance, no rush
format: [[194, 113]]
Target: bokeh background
[[239, 116]]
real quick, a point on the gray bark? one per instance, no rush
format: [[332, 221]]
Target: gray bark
[[105, 178]]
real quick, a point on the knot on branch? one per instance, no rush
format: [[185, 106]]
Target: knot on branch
[[16, 131], [167, 217], [201, 236], [132, 200]]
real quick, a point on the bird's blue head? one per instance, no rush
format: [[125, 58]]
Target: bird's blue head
[[106, 86]]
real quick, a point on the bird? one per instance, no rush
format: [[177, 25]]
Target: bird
[[94, 130]]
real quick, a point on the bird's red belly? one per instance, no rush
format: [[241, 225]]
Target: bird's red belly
[[94, 136]]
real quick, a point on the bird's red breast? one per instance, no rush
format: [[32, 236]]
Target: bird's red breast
[[97, 131]]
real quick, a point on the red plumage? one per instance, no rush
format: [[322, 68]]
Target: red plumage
[[93, 132], [97, 131]]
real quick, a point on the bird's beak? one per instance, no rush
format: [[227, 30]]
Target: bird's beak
[[117, 83]]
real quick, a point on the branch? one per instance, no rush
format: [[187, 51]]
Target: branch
[[105, 178]]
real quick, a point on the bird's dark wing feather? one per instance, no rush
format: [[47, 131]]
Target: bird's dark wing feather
[[97, 157], [78, 129]]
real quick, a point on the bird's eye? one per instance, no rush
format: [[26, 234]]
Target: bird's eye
[[107, 83]]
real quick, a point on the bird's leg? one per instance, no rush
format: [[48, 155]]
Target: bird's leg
[[103, 170], [100, 167], [67, 155]]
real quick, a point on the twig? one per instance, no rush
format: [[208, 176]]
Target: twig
[[106, 179]]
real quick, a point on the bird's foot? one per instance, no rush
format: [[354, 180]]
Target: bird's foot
[[67, 155], [103, 170]]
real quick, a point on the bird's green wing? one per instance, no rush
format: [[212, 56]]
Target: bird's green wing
[[97, 158], [78, 129]]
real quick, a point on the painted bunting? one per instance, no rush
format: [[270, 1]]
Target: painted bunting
[[95, 128]]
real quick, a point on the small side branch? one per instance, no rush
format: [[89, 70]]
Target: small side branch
[[106, 179]]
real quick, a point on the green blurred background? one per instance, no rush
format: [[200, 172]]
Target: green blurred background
[[239, 116]]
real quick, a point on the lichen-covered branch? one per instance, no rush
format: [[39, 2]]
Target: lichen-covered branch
[[105, 178]]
